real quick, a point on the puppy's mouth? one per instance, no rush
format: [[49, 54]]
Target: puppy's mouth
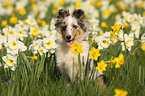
[[70, 42]]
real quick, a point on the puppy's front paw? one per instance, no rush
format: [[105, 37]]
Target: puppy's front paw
[[105, 79]]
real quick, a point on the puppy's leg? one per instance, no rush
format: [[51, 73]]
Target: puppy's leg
[[103, 79]]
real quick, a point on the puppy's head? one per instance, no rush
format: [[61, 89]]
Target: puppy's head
[[71, 27]]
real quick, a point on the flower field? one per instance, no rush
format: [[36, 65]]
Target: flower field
[[28, 41]]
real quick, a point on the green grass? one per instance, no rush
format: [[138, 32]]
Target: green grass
[[28, 80]]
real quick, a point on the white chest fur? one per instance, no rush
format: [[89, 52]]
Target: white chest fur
[[66, 60]]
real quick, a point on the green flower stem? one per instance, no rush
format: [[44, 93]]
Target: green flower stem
[[83, 67], [73, 71], [88, 62], [79, 63], [92, 73], [124, 42]]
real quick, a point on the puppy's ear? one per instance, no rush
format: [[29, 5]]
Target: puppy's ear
[[79, 14], [81, 19], [62, 13]]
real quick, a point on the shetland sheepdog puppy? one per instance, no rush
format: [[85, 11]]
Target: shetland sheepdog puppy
[[72, 28]]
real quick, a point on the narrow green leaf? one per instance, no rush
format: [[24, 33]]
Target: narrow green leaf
[[41, 66], [79, 63], [12, 90], [25, 59]]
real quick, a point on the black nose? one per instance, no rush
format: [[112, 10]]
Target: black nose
[[68, 37]]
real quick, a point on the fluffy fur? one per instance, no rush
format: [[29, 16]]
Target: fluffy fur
[[71, 29]]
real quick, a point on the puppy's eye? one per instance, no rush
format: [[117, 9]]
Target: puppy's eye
[[64, 28], [75, 26]]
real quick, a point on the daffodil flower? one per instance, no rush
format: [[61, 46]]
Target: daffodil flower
[[13, 45], [106, 13], [120, 92], [22, 12], [42, 50], [49, 43], [128, 42], [143, 47], [112, 61], [104, 25], [31, 20], [4, 24], [78, 4], [127, 16], [22, 26], [10, 60], [34, 31], [95, 53], [101, 66], [116, 28], [9, 31], [36, 44], [21, 33], [112, 36], [103, 41], [76, 48], [119, 60], [13, 20], [33, 58]]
